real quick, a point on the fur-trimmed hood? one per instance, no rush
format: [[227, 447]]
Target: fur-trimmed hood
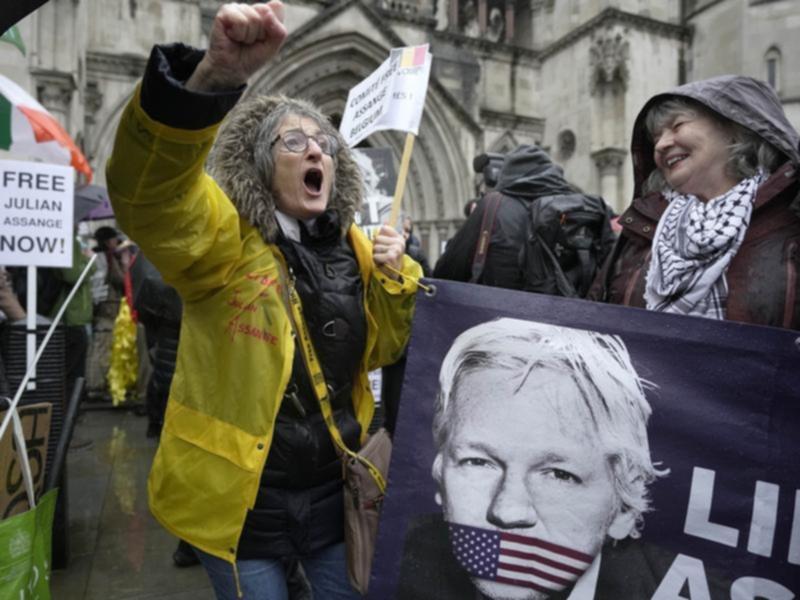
[[232, 165]]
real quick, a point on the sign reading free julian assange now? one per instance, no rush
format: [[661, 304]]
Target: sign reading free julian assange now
[[36, 214]]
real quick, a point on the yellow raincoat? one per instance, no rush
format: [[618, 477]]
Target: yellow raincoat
[[236, 346]]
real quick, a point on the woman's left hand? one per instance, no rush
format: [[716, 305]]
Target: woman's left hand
[[388, 248]]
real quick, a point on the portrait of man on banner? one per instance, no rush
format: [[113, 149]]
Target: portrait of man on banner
[[542, 468], [555, 449]]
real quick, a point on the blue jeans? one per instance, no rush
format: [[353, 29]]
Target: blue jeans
[[265, 579]]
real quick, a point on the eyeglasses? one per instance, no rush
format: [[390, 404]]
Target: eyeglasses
[[295, 140]]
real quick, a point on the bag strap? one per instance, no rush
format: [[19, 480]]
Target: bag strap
[[493, 200], [588, 266], [295, 312], [563, 284], [607, 266]]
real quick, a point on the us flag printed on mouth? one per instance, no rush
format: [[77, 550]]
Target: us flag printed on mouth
[[517, 559]]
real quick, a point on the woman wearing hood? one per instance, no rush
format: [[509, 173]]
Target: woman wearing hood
[[246, 471], [714, 230]]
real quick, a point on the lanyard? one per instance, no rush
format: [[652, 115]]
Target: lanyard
[[314, 369]]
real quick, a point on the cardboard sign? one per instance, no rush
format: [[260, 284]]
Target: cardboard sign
[[392, 97], [36, 425], [36, 213]]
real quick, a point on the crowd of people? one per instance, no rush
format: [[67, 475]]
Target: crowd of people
[[89, 318], [89, 314], [258, 259]]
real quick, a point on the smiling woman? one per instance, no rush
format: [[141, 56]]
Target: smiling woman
[[714, 229], [699, 152]]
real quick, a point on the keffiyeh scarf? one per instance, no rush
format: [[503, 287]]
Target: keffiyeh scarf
[[694, 243]]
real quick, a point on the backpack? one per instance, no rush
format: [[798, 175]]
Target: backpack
[[568, 238]]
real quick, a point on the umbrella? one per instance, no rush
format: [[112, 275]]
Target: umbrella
[[87, 198], [92, 203]]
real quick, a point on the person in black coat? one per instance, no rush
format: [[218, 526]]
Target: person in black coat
[[527, 173]]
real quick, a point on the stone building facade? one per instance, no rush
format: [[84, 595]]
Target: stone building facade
[[570, 75]]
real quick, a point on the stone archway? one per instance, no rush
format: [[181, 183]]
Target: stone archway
[[102, 142]]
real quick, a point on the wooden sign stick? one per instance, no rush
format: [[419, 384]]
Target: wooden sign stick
[[397, 202]]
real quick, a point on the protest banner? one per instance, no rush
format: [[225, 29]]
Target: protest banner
[[36, 224], [392, 97], [35, 420], [525, 464]]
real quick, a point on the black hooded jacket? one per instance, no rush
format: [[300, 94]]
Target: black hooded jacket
[[763, 282], [527, 174]]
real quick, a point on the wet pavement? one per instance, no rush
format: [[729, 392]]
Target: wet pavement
[[116, 549]]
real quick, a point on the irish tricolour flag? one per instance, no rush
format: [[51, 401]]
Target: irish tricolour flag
[[29, 131]]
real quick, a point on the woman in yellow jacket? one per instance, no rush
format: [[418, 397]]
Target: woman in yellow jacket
[[246, 471]]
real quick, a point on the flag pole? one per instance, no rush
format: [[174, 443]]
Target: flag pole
[[397, 202]]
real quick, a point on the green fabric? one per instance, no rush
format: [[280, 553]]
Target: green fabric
[[5, 123], [25, 542], [79, 311], [13, 37]]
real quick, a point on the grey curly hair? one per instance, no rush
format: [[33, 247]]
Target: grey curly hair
[[265, 159]]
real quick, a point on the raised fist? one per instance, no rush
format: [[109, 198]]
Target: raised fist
[[244, 37]]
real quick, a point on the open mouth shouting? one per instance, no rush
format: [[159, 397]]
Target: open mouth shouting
[[312, 181], [304, 174]]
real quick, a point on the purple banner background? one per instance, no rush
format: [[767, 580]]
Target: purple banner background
[[728, 400]]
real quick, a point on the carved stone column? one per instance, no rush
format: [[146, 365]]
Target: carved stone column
[[609, 169], [92, 103], [54, 89], [608, 59], [509, 22], [439, 235], [483, 16], [453, 15], [424, 233]]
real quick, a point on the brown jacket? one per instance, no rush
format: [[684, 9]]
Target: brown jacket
[[764, 287]]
